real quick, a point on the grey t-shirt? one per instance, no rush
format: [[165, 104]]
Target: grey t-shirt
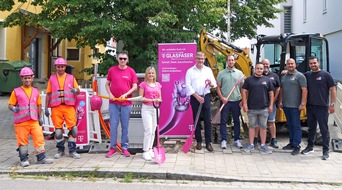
[[291, 87]]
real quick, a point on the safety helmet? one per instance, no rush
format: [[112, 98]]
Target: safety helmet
[[95, 102], [26, 71], [60, 61]]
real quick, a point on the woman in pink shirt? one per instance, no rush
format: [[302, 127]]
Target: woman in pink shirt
[[150, 89]]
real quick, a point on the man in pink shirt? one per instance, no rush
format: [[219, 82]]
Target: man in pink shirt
[[121, 83]]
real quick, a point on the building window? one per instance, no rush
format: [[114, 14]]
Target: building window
[[96, 51], [325, 10], [73, 54], [288, 20], [304, 11]]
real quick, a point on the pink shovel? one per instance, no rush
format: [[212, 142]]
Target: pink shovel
[[159, 151]]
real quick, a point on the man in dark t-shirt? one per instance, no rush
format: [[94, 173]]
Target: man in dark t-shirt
[[257, 100], [319, 83]]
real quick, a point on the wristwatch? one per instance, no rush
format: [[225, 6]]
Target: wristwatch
[[332, 105], [302, 104]]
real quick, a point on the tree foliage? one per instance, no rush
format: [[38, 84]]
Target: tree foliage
[[141, 24]]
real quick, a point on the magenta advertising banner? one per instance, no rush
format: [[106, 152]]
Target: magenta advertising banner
[[82, 120], [174, 60]]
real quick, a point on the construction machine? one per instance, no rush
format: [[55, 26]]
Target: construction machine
[[279, 48], [210, 45], [276, 48]]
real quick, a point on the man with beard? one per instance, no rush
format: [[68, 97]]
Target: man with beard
[[320, 83], [292, 99], [257, 100], [225, 82]]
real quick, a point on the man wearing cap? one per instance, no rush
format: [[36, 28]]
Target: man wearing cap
[[61, 92], [26, 104]]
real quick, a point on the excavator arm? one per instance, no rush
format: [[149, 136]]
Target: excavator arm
[[209, 45]]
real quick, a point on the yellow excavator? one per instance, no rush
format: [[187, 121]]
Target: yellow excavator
[[276, 48], [210, 45]]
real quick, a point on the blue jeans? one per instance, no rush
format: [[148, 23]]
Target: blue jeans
[[293, 122], [119, 113], [234, 107], [320, 115]]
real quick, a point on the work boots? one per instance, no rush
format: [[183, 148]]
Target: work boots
[[41, 159], [60, 149], [23, 155], [72, 150]]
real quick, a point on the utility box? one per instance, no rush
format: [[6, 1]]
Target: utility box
[[9, 74]]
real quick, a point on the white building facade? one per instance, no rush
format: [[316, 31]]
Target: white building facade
[[312, 16]]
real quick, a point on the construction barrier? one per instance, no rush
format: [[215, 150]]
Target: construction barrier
[[88, 124]]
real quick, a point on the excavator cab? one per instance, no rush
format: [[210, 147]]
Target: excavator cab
[[297, 46], [300, 47]]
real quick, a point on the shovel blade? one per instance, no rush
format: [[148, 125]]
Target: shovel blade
[[187, 145], [159, 154]]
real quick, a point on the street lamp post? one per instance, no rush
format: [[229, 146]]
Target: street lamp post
[[228, 21]]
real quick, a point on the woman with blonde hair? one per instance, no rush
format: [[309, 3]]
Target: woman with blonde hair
[[150, 89]]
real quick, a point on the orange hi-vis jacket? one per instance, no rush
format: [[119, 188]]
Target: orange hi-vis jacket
[[64, 96], [28, 106]]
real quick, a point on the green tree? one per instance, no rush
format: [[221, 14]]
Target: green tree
[[141, 24]]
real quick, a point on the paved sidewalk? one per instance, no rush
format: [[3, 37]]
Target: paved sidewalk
[[280, 166]]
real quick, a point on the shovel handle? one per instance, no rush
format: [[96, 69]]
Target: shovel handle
[[156, 105]]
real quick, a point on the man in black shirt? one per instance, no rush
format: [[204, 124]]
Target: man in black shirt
[[319, 83], [257, 100]]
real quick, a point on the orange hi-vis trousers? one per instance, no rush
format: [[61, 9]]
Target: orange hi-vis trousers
[[31, 127], [61, 114]]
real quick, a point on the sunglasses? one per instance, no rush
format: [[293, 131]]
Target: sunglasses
[[122, 58]]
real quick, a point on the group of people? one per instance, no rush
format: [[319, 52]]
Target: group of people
[[257, 95], [311, 91], [25, 101]]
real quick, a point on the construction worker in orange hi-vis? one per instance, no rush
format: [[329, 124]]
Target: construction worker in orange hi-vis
[[26, 104], [61, 94]]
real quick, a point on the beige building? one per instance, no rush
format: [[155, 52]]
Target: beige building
[[35, 46]]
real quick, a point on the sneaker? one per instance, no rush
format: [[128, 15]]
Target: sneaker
[[146, 156], [238, 144], [126, 153], [249, 148], [224, 144], [59, 155], [74, 155], [307, 150], [325, 155], [288, 147], [295, 150], [151, 153], [111, 153], [274, 143], [25, 163], [45, 161], [264, 148]]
